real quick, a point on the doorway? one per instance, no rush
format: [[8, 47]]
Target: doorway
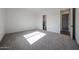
[[69, 14], [65, 20], [44, 22]]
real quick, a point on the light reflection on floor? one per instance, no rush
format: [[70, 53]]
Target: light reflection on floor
[[34, 36]]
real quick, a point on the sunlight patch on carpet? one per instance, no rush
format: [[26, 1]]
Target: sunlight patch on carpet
[[34, 36]]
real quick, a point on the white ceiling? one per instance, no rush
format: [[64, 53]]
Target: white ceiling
[[40, 10]]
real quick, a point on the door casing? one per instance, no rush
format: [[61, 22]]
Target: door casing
[[70, 11]]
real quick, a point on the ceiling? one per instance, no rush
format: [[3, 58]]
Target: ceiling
[[40, 10]]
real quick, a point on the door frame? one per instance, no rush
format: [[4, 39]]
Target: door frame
[[73, 21], [66, 11], [44, 22]]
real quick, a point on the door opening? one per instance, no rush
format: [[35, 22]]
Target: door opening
[[44, 22], [65, 22], [69, 14]]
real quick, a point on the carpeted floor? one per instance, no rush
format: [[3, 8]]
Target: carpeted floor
[[51, 41]]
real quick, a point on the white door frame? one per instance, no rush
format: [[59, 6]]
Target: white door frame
[[70, 12]]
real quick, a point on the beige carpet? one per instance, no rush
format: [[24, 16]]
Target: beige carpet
[[51, 41]]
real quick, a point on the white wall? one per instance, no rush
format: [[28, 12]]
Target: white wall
[[2, 23], [19, 20], [53, 19], [25, 19], [77, 25]]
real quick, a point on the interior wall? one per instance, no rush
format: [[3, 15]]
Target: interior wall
[[53, 19], [77, 25], [2, 23], [19, 19]]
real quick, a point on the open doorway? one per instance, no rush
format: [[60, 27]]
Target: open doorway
[[65, 24], [65, 20], [44, 22]]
